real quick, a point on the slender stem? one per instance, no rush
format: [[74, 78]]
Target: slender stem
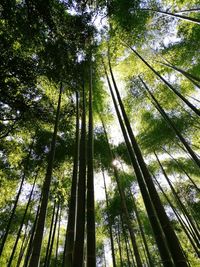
[[91, 238], [172, 125], [70, 231], [37, 243], [78, 258], [187, 102]]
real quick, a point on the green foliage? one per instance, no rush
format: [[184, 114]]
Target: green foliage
[[51, 43], [155, 132]]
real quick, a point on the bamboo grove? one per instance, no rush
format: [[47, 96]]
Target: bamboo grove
[[99, 131]]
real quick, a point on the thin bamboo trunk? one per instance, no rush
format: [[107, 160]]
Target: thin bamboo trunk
[[179, 202], [26, 164], [58, 238], [198, 102], [172, 125], [157, 230], [186, 18], [91, 238], [109, 221], [22, 223], [32, 233], [50, 234], [119, 244], [180, 220], [145, 260], [127, 218], [53, 236], [187, 102], [188, 10], [125, 239], [187, 75], [150, 260], [70, 233], [78, 259], [131, 253], [182, 169], [23, 248], [171, 238], [37, 242], [126, 213]]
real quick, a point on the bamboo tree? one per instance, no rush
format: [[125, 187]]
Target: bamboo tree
[[23, 248], [179, 202], [172, 125], [188, 103], [187, 75], [80, 218], [25, 169], [22, 222], [128, 221], [125, 239], [37, 242], [132, 258], [171, 238], [180, 220], [32, 234], [70, 233], [157, 230], [109, 221], [91, 239], [141, 230], [119, 243], [188, 10], [58, 237], [50, 234], [182, 169], [53, 235], [186, 18], [126, 213], [131, 253]]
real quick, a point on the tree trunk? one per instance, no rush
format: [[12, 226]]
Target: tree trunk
[[23, 248], [58, 238], [70, 233], [50, 235], [119, 244], [22, 223], [26, 164], [193, 20], [142, 231], [188, 10], [37, 242], [125, 239], [109, 222], [32, 233], [127, 218], [181, 221], [188, 103], [187, 75], [91, 239], [182, 169], [80, 219], [126, 214], [171, 238], [157, 230], [53, 236], [172, 125], [131, 253], [179, 202]]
